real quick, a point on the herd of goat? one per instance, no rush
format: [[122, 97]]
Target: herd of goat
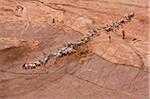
[[71, 47]]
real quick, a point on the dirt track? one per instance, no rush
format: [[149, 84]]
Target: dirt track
[[116, 70]]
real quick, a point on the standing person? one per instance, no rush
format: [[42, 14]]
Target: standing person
[[123, 34], [109, 39], [53, 20]]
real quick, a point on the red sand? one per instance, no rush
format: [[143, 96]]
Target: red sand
[[116, 70]]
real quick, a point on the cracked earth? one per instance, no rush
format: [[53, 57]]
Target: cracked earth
[[109, 70]]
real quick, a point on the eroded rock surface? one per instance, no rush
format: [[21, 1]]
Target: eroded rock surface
[[110, 70]]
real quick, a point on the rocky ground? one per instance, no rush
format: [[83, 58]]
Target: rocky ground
[[104, 68]]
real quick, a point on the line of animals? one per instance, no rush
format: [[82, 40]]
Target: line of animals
[[71, 47]]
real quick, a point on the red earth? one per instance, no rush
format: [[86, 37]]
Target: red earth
[[110, 70]]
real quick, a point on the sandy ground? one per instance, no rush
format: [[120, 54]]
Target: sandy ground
[[111, 70]]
